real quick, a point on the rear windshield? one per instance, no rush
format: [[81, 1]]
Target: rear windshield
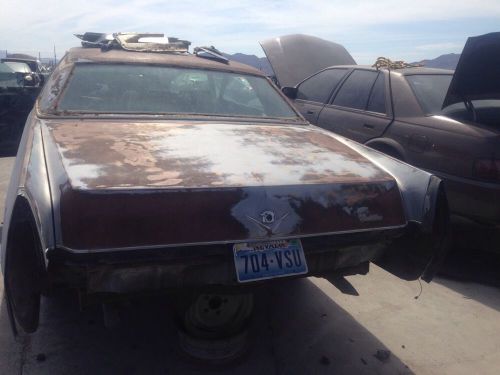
[[430, 90], [146, 89]]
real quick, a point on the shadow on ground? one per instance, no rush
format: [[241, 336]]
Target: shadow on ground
[[297, 329], [465, 266]]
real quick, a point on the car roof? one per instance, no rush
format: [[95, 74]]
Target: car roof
[[403, 71], [80, 54]]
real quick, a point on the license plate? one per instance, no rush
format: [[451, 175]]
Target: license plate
[[267, 260]]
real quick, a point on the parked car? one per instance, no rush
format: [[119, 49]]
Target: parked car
[[445, 122], [17, 96], [35, 66], [143, 167], [23, 73]]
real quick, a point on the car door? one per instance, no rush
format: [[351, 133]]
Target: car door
[[359, 110], [315, 91]]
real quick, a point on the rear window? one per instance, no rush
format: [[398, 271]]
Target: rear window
[[146, 89], [430, 90]]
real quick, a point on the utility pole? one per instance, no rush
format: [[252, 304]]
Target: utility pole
[[55, 57]]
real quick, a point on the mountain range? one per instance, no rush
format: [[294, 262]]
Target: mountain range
[[447, 61]]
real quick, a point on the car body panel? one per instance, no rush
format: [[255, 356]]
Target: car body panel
[[180, 164], [296, 57], [477, 73], [29, 181]]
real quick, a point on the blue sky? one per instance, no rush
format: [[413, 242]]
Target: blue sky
[[410, 31]]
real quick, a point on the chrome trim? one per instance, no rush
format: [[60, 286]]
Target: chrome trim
[[118, 249]]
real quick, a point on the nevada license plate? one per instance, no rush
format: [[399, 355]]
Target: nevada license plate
[[267, 260]]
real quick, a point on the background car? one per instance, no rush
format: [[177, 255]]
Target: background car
[[148, 170], [445, 122], [17, 96], [35, 66]]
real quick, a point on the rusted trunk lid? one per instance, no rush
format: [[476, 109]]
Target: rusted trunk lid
[[138, 184]]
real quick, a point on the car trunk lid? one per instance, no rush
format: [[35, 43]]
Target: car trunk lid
[[477, 74], [172, 183]]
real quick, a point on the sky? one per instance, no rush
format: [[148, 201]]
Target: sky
[[409, 31]]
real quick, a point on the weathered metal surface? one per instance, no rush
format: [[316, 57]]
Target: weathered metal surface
[[110, 154], [172, 183]]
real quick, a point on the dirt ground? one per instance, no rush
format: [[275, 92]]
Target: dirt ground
[[300, 327]]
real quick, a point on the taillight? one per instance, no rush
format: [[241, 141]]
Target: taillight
[[487, 169]]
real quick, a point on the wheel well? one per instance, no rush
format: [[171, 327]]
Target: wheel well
[[25, 274]]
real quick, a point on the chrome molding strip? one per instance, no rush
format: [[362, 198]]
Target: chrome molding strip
[[119, 249]]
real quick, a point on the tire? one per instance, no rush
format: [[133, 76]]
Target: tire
[[24, 276]]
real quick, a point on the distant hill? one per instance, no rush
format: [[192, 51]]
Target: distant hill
[[260, 63], [448, 61]]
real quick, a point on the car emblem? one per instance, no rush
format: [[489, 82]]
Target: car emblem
[[269, 222], [267, 217]]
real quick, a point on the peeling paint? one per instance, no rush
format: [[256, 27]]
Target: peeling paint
[[197, 155]]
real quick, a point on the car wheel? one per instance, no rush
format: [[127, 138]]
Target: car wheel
[[213, 327], [213, 316]]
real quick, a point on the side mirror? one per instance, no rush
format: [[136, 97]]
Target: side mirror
[[290, 92]]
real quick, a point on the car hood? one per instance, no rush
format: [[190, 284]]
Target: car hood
[[477, 75], [114, 155], [296, 57]]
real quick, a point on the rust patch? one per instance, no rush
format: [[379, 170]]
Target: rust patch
[[107, 154]]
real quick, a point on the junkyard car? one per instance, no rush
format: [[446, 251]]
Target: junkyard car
[[37, 69], [17, 96], [145, 171], [443, 122]]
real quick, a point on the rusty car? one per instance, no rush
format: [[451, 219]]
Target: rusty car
[[445, 122], [144, 167]]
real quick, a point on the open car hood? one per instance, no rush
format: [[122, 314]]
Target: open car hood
[[296, 57], [477, 75]]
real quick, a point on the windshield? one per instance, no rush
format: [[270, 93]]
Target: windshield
[[146, 89], [18, 66], [430, 90]]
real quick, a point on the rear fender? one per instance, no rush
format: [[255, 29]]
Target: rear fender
[[24, 270], [420, 251]]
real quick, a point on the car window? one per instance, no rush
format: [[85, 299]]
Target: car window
[[110, 88], [356, 89], [319, 87], [376, 103], [240, 91], [18, 66], [430, 90]]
